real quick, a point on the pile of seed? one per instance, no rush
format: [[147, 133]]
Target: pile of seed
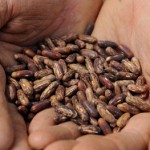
[[96, 84]]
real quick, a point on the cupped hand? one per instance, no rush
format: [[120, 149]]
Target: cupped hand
[[23, 23], [125, 22]]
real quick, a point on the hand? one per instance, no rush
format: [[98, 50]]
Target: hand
[[124, 22], [23, 23], [13, 132]]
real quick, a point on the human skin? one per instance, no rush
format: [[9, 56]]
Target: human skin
[[122, 21], [23, 23]]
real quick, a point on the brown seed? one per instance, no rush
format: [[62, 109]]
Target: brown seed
[[114, 110], [140, 80], [128, 53], [49, 90], [60, 118], [11, 92], [105, 44], [41, 85], [136, 62], [57, 70], [64, 110], [93, 121], [117, 89], [100, 51], [80, 109], [80, 43], [68, 75], [94, 81], [101, 91], [111, 70], [69, 37], [38, 61], [22, 98], [106, 82], [117, 99], [108, 94], [130, 66], [61, 50], [144, 95], [128, 108], [111, 77], [39, 106], [32, 67], [81, 96], [90, 95], [126, 76], [63, 65], [104, 126], [122, 121], [49, 42], [90, 108], [22, 74], [26, 86], [137, 88], [118, 66], [89, 65], [51, 55], [89, 53], [22, 110], [104, 113], [42, 73], [125, 82], [14, 82], [78, 68], [48, 62], [29, 52], [60, 93], [81, 86], [71, 58], [138, 102], [110, 51], [103, 98], [80, 59], [89, 46], [14, 68], [59, 42], [98, 66], [54, 102], [89, 129], [87, 38], [71, 82], [117, 57], [89, 28], [72, 47], [23, 58], [71, 90]]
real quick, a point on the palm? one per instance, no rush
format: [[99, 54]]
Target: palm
[[123, 22]]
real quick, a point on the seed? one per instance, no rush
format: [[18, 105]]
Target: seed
[[122, 121], [26, 86], [104, 113], [71, 58], [22, 74], [23, 99], [128, 108], [68, 75], [104, 126], [98, 67], [137, 88], [89, 28], [63, 65], [60, 118], [23, 110], [39, 106], [59, 42], [49, 42], [80, 43], [89, 53], [138, 102], [87, 38], [49, 90], [60, 93], [11, 92], [71, 90], [15, 68], [89, 129], [117, 99], [89, 65], [81, 86], [29, 52], [42, 73], [51, 55], [105, 44]]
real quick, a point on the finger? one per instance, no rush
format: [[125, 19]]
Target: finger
[[21, 141], [6, 127], [45, 117], [61, 145], [49, 134]]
